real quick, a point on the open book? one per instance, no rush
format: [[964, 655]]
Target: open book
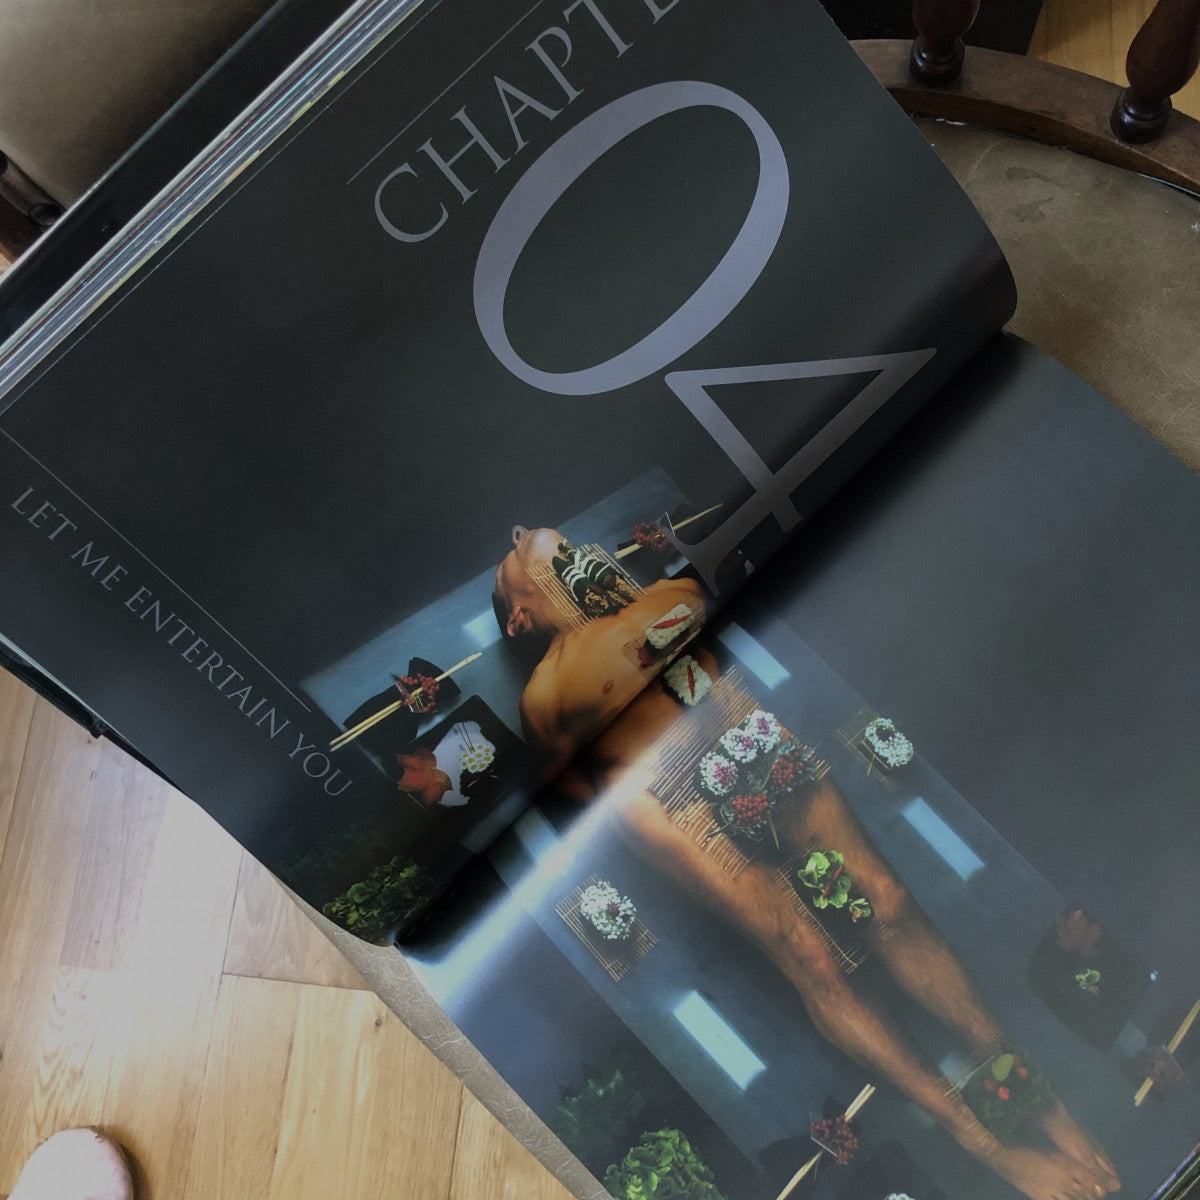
[[550, 482]]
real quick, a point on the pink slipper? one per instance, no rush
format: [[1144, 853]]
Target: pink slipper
[[76, 1164]]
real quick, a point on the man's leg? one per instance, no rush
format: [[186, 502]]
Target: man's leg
[[919, 958], [754, 903]]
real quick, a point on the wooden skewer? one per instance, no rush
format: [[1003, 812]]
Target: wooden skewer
[[850, 1113], [859, 1101], [628, 550], [800, 1176], [349, 735], [1173, 1045]]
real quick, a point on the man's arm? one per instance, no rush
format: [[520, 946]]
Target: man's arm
[[555, 718]]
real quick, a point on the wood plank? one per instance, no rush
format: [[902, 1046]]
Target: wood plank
[[171, 984], [490, 1164], [41, 854], [127, 1049], [270, 938], [233, 1153], [367, 1111], [125, 815], [124, 1048], [16, 714]]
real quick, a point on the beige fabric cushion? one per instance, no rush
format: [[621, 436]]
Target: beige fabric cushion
[[1107, 265], [80, 80]]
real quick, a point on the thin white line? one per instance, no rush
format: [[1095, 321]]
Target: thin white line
[[156, 567], [396, 137], [363, 71]]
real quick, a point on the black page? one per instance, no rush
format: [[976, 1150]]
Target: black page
[[284, 436], [1015, 585]]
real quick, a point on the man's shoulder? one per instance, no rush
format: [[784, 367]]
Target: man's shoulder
[[684, 586], [667, 593]]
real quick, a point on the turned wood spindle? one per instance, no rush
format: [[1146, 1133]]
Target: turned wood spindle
[[937, 50], [1162, 58]]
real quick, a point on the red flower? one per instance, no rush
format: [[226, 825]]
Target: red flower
[[1022, 1072], [650, 537], [1003, 1093], [426, 687], [989, 1084], [421, 776]]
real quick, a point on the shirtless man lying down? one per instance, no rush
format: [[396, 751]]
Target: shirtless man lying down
[[585, 688]]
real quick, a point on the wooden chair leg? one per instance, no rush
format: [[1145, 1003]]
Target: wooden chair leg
[[25, 210], [1162, 58], [937, 50]]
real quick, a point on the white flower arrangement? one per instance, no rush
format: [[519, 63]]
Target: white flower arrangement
[[888, 744], [764, 727], [718, 775], [740, 744], [478, 755], [898, 1196], [607, 911]]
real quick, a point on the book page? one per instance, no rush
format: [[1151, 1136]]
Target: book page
[[274, 473], [958, 904]]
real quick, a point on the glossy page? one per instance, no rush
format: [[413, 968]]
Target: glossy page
[[475, 268]]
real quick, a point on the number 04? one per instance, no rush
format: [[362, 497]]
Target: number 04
[[540, 188]]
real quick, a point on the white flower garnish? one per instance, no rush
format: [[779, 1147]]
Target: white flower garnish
[[888, 743], [741, 745], [764, 727], [607, 911]]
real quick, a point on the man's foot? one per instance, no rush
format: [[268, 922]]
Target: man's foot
[[76, 1164], [1062, 1130], [1048, 1176]]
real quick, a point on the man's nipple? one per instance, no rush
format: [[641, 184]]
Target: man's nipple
[[608, 685]]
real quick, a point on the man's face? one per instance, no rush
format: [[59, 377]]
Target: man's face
[[531, 548]]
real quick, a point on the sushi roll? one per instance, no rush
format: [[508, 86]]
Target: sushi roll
[[595, 570], [576, 581], [670, 626], [687, 680]]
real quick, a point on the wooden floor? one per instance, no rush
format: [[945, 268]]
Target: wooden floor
[[1094, 36], [156, 982]]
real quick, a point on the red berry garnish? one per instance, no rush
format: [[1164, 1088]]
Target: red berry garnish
[[749, 811]]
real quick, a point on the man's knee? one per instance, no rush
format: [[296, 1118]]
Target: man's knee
[[808, 959], [890, 899]]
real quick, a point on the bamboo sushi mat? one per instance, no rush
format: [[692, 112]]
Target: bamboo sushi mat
[[850, 734], [849, 952], [552, 586], [617, 958], [726, 705]]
